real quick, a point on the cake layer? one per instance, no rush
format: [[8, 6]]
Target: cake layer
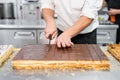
[[79, 56], [61, 65]]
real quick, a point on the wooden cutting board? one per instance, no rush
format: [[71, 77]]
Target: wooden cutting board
[[79, 56]]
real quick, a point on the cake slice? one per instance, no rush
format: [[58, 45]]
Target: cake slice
[[114, 49], [5, 52]]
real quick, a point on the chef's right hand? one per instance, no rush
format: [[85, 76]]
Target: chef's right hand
[[50, 30]]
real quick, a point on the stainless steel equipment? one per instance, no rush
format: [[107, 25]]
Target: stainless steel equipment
[[1, 11], [106, 34], [106, 31], [29, 11], [17, 37], [20, 35], [32, 0], [8, 10]]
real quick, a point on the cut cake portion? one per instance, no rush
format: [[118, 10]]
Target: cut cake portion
[[5, 52], [114, 49]]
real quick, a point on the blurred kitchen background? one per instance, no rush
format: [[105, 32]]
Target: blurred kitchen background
[[21, 23]]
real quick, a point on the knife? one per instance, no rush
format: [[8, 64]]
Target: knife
[[50, 38]]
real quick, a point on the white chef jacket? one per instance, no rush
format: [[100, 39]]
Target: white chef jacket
[[69, 11]]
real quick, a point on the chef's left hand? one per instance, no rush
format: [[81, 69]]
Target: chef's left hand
[[64, 40]]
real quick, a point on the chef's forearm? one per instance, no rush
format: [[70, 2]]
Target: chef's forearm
[[113, 11], [80, 25], [48, 15], [118, 11]]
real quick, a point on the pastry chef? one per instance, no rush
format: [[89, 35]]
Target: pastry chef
[[76, 21]]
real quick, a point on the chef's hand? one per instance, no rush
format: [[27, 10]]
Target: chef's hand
[[50, 30], [64, 40], [113, 11]]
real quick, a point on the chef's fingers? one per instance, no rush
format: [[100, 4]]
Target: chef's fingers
[[47, 35], [109, 12], [68, 43], [63, 44], [72, 43], [63, 41], [55, 42], [54, 34], [58, 43]]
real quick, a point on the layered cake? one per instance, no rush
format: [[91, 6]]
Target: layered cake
[[79, 56], [114, 49], [5, 52]]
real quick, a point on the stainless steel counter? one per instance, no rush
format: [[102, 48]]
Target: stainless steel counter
[[113, 26], [10, 24], [7, 73], [106, 33], [41, 24]]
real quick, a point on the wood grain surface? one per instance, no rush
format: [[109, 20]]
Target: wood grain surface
[[76, 52]]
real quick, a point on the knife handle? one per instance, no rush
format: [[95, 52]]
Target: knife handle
[[50, 36]]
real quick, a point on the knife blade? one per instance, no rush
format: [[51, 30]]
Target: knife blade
[[50, 38]]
